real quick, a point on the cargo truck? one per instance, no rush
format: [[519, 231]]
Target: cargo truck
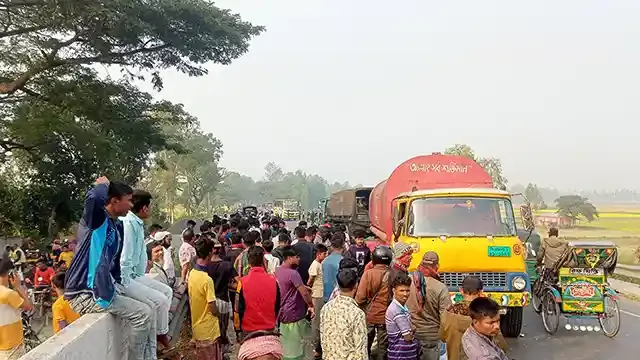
[[447, 204], [349, 207]]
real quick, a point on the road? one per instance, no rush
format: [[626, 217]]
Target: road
[[537, 344]]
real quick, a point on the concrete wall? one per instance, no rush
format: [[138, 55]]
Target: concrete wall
[[103, 336], [92, 337]]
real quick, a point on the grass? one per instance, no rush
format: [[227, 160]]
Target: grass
[[618, 224]]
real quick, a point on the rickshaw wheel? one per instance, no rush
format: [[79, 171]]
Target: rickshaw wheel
[[612, 313], [536, 302], [550, 312]]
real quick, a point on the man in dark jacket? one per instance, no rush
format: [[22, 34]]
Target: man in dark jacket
[[93, 282]]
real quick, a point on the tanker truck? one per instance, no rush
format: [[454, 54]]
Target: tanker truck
[[447, 204]]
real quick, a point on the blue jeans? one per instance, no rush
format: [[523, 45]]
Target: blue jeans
[[139, 316]]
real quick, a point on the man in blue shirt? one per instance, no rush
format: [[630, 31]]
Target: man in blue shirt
[[330, 267], [93, 282], [133, 263]]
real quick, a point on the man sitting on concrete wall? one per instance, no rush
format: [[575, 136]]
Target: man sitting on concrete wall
[[133, 263], [93, 283]]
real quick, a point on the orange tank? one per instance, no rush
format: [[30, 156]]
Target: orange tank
[[435, 171]]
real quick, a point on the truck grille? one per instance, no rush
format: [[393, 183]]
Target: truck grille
[[489, 279]]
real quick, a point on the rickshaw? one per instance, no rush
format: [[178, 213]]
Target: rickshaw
[[577, 289]]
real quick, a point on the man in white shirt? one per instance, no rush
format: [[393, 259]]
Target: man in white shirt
[[272, 261]]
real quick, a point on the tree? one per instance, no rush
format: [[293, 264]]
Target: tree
[[574, 206], [186, 178], [493, 166], [533, 194], [62, 124]]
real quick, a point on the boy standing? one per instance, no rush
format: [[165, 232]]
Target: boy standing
[[204, 311], [63, 315], [402, 345], [360, 251], [316, 284], [11, 303]]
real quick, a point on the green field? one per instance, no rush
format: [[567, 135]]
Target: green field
[[621, 226]]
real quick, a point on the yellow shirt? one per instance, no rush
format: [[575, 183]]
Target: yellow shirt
[[62, 312], [66, 256], [201, 295], [11, 334]]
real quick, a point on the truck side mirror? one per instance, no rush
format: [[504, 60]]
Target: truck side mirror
[[526, 214]]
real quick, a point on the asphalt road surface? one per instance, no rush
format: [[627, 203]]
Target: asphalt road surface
[[535, 343]]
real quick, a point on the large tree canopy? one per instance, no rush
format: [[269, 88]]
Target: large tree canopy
[[63, 122]]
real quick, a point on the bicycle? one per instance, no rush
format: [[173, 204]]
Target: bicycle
[[42, 302], [31, 339]]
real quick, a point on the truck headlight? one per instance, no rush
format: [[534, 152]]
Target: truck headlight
[[519, 283]]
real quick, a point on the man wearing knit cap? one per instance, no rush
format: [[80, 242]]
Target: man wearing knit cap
[[433, 304]]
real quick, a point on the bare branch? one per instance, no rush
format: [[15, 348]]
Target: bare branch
[[51, 62], [114, 56], [21, 31]]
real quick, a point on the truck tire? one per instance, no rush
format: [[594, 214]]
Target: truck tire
[[511, 322]]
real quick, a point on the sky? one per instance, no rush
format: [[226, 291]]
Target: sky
[[351, 89]]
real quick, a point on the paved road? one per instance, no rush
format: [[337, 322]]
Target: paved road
[[565, 345], [535, 343]]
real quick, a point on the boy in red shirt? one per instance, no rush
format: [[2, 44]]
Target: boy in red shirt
[[43, 274]]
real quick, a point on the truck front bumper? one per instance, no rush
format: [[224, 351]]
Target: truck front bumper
[[508, 299]]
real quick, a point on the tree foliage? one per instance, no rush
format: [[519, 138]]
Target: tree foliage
[[493, 166], [533, 194], [230, 190], [574, 206], [62, 123]]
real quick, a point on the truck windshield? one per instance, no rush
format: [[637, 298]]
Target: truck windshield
[[461, 216]]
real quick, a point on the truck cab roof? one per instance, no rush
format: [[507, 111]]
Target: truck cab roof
[[456, 191]]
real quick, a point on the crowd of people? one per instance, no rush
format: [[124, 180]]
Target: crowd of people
[[277, 289]]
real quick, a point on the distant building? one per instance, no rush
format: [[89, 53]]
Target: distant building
[[554, 220]]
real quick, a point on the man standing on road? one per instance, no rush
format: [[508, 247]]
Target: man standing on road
[[93, 283], [426, 318], [296, 304], [374, 296], [133, 262], [306, 253]]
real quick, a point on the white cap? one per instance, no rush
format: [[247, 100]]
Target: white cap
[[160, 235]]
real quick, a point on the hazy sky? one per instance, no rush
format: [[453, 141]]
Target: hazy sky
[[350, 89]]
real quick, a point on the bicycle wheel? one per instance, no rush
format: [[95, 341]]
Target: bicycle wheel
[[536, 302], [550, 313], [610, 321]]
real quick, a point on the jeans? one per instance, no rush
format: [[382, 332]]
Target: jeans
[[139, 316], [163, 316], [318, 303], [158, 304], [378, 332]]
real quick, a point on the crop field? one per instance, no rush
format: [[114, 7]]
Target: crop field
[[618, 224]]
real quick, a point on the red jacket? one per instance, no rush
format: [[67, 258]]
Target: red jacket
[[259, 301]]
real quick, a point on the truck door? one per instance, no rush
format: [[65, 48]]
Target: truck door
[[399, 217]]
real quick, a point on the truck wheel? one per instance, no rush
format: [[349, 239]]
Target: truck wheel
[[511, 322]]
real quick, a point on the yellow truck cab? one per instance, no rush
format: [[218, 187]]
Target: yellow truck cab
[[473, 231], [448, 204]]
